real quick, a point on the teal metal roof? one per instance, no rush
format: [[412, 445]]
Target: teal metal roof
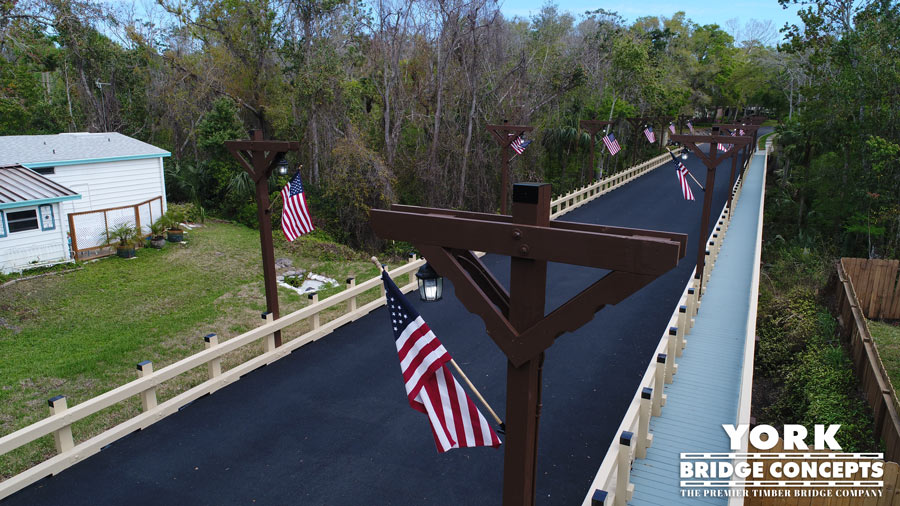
[[34, 151], [24, 187], [706, 389]]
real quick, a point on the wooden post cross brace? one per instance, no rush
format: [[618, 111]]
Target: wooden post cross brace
[[711, 160], [505, 135], [259, 158], [515, 319]]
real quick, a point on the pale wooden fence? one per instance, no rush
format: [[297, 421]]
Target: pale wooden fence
[[578, 197], [59, 423], [873, 378], [876, 285], [612, 480], [889, 492], [89, 229]]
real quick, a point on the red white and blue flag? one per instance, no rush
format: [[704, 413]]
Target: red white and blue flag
[[295, 219], [519, 145], [430, 387], [672, 128], [690, 126], [611, 144], [681, 171], [648, 132]]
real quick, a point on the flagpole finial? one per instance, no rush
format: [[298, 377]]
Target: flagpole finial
[[377, 263]]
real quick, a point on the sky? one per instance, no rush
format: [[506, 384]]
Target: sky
[[700, 11]]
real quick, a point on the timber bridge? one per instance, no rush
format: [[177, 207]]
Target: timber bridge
[[326, 421]]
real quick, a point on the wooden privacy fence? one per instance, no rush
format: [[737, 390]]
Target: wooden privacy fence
[[579, 197], [887, 495], [88, 229], [876, 286], [867, 363]]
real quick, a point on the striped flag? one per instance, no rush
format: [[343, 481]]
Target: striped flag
[[648, 132], [519, 145], [295, 219], [430, 387], [741, 132], [690, 126], [681, 171], [611, 144], [672, 128]]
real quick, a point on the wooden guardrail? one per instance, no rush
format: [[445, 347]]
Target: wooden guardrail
[[577, 198], [611, 485], [867, 364], [59, 423], [876, 286]]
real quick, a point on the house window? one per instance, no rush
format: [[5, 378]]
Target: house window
[[20, 221], [45, 170]]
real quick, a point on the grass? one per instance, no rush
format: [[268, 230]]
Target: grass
[[80, 333], [887, 339], [762, 140]]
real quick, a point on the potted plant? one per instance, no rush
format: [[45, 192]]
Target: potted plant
[[158, 233], [125, 237], [173, 219]]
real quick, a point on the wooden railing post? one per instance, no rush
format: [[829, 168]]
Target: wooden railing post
[[62, 437], [351, 305], [645, 439], [672, 351], [313, 298], [706, 271], [659, 398], [214, 366], [624, 489], [692, 306], [412, 275], [148, 396], [682, 325], [269, 340]]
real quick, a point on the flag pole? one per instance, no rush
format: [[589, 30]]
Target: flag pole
[[465, 378], [689, 174]]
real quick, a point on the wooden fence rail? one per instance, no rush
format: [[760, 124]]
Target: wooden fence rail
[[578, 197], [867, 363]]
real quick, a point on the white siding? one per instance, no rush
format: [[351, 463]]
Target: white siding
[[111, 184], [33, 248]]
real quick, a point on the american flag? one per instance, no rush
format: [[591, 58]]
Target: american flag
[[430, 387], [295, 219], [741, 131], [672, 128], [519, 145], [690, 126], [681, 171], [648, 131], [611, 143]]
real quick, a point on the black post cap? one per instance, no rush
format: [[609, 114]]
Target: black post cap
[[527, 193], [625, 438], [208, 337], [673, 331], [311, 295], [141, 365], [661, 358], [350, 279], [682, 309], [263, 315], [51, 401], [599, 497], [646, 393]]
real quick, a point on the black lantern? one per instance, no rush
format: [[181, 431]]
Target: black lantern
[[282, 167], [431, 286]]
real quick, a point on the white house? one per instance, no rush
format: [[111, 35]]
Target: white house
[[119, 180]]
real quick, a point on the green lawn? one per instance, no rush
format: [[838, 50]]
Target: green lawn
[[887, 339], [81, 333], [762, 140]]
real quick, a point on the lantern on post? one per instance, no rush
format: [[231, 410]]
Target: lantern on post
[[431, 285], [283, 167]]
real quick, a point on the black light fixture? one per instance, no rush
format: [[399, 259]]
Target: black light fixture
[[431, 286], [283, 167]]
